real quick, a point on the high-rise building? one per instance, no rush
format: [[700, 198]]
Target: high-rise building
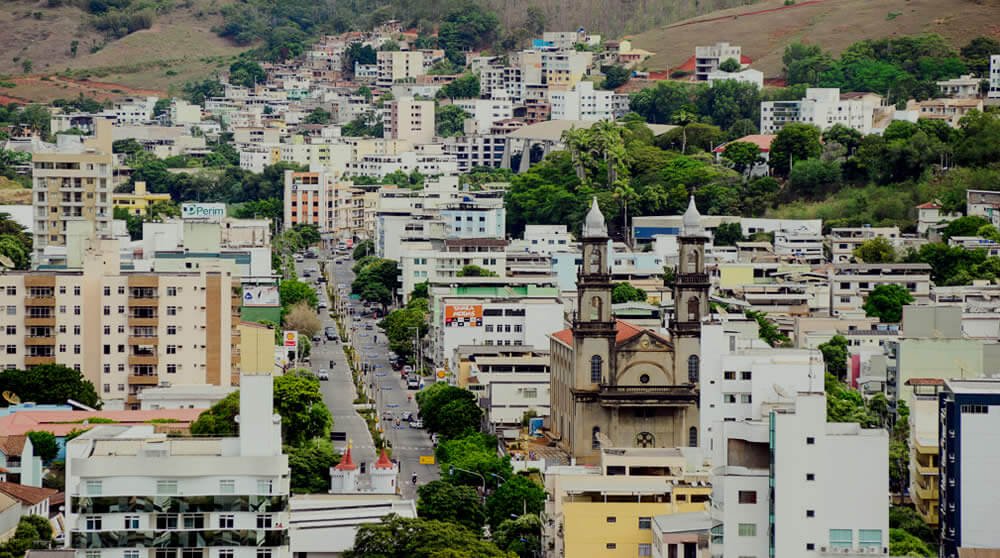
[[409, 119], [72, 181]]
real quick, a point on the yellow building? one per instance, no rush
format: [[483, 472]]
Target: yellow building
[[608, 510], [924, 457], [256, 348], [137, 202]]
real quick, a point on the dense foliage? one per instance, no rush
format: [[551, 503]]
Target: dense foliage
[[886, 302], [448, 410], [398, 537], [49, 384], [405, 326]]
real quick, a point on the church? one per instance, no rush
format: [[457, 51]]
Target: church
[[615, 384]]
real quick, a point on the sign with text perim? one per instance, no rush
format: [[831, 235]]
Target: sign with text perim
[[463, 315], [214, 212]]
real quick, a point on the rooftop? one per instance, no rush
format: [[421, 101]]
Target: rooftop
[[28, 495], [625, 332], [62, 423], [980, 385], [12, 444]]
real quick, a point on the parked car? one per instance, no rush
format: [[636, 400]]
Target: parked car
[[317, 338], [408, 416], [416, 423], [323, 375], [330, 333], [413, 382], [386, 415], [299, 257], [323, 305]]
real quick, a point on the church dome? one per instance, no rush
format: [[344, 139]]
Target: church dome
[[692, 219], [593, 225]]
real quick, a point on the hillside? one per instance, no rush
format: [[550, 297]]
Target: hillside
[[764, 29], [180, 46]]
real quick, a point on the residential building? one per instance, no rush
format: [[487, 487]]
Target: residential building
[[134, 110], [545, 239], [763, 143], [799, 246], [608, 509], [781, 487], [583, 102], [969, 413], [510, 385], [124, 330], [186, 397], [137, 202], [393, 66], [851, 283], [682, 534], [994, 79], [617, 384], [844, 240], [34, 500], [18, 460], [10, 515], [71, 181], [822, 107], [475, 151], [484, 113], [409, 119], [949, 110], [983, 203], [502, 82], [562, 69], [925, 458], [931, 218], [307, 200], [708, 59], [749, 75], [962, 87], [183, 113], [209, 492]]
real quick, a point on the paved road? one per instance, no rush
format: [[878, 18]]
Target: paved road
[[389, 390]]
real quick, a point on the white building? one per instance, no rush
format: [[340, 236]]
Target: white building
[[134, 110], [803, 247], [994, 90], [509, 386], [214, 497], [475, 151], [484, 113], [184, 113], [963, 87], [748, 75], [822, 107], [844, 240], [708, 58], [409, 119], [784, 488], [583, 102], [545, 239]]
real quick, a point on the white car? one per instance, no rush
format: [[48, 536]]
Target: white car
[[323, 375], [417, 423]]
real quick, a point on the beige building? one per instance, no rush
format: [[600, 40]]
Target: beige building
[[619, 384], [949, 110], [398, 65], [124, 331], [851, 283], [409, 119], [72, 181]]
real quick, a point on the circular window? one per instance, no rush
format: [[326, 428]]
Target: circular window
[[644, 378]]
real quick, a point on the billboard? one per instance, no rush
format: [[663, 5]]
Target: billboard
[[261, 296], [290, 339], [204, 211], [463, 315]]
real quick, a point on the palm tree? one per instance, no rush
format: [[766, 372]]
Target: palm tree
[[682, 118]]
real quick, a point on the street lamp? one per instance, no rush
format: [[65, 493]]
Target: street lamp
[[452, 469]]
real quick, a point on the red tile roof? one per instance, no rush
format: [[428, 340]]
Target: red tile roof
[[624, 332], [13, 444], [346, 464], [925, 382], [29, 495], [762, 141], [62, 423], [929, 205], [383, 462]]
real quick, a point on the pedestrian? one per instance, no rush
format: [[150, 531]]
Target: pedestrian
[[414, 479]]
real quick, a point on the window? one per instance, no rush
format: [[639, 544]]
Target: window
[[94, 554], [729, 398], [489, 328], [611, 519], [596, 366], [263, 553], [171, 349], [165, 553], [841, 539], [517, 328], [132, 522], [810, 476], [645, 549], [171, 291], [595, 438], [11, 330], [12, 310], [227, 487], [264, 486], [693, 437], [166, 521], [227, 521], [694, 363], [166, 487], [226, 553], [76, 349], [107, 292], [130, 553], [810, 441], [645, 523], [611, 546], [93, 487], [192, 553], [11, 349], [171, 310], [746, 375], [263, 521], [94, 523], [810, 546], [76, 290], [810, 513], [975, 409], [171, 330], [171, 369], [121, 289], [745, 398], [748, 529], [729, 375], [194, 521], [748, 496], [870, 538], [76, 330]]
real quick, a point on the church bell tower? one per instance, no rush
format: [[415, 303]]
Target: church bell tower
[[593, 325], [691, 286]]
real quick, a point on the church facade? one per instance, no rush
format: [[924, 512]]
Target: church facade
[[614, 383]]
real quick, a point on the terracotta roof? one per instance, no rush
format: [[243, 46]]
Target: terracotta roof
[[29, 495], [383, 462], [762, 141], [624, 332], [346, 464], [62, 423], [12, 444], [929, 205]]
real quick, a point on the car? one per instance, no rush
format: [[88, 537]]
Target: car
[[323, 305], [338, 261], [299, 257], [317, 338], [408, 416], [416, 423], [323, 375], [306, 273], [331, 334], [369, 327], [407, 369], [413, 382], [386, 415]]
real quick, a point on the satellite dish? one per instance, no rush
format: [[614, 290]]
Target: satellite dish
[[781, 391], [11, 397], [6, 262]]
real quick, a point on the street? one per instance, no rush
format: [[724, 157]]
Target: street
[[389, 390]]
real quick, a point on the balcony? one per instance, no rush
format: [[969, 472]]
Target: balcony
[[142, 340], [178, 504], [37, 360], [143, 320], [49, 301], [144, 380], [930, 493], [654, 396], [137, 360], [182, 539], [143, 301], [47, 321], [927, 469], [40, 340]]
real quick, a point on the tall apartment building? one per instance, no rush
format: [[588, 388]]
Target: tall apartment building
[[132, 493], [71, 181], [970, 418], [994, 88], [123, 330], [822, 107], [307, 199], [925, 457], [409, 119], [485, 113], [583, 102], [708, 58], [397, 65], [563, 69]]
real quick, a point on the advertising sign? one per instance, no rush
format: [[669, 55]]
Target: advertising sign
[[261, 296], [291, 339], [203, 211], [463, 315]]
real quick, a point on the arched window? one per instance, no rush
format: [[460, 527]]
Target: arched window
[[694, 363], [694, 309], [693, 437], [595, 261], [595, 438], [596, 305], [596, 366], [692, 261]]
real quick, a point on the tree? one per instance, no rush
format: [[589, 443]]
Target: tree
[[74, 46], [465, 86], [902, 543], [310, 464], [625, 292], [465, 28], [444, 501], [44, 444], [49, 384], [794, 142], [743, 155], [835, 356], [728, 234], [683, 118], [398, 537], [805, 63], [420, 290], [293, 291], [978, 141], [964, 226], [976, 54], [450, 121], [875, 250], [475, 271], [886, 302], [615, 77], [303, 319], [767, 330], [517, 496], [730, 65], [522, 536], [319, 115], [246, 73], [846, 137], [399, 326], [474, 452], [362, 249]]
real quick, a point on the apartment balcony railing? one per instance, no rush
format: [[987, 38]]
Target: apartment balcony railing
[[179, 539], [178, 504]]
